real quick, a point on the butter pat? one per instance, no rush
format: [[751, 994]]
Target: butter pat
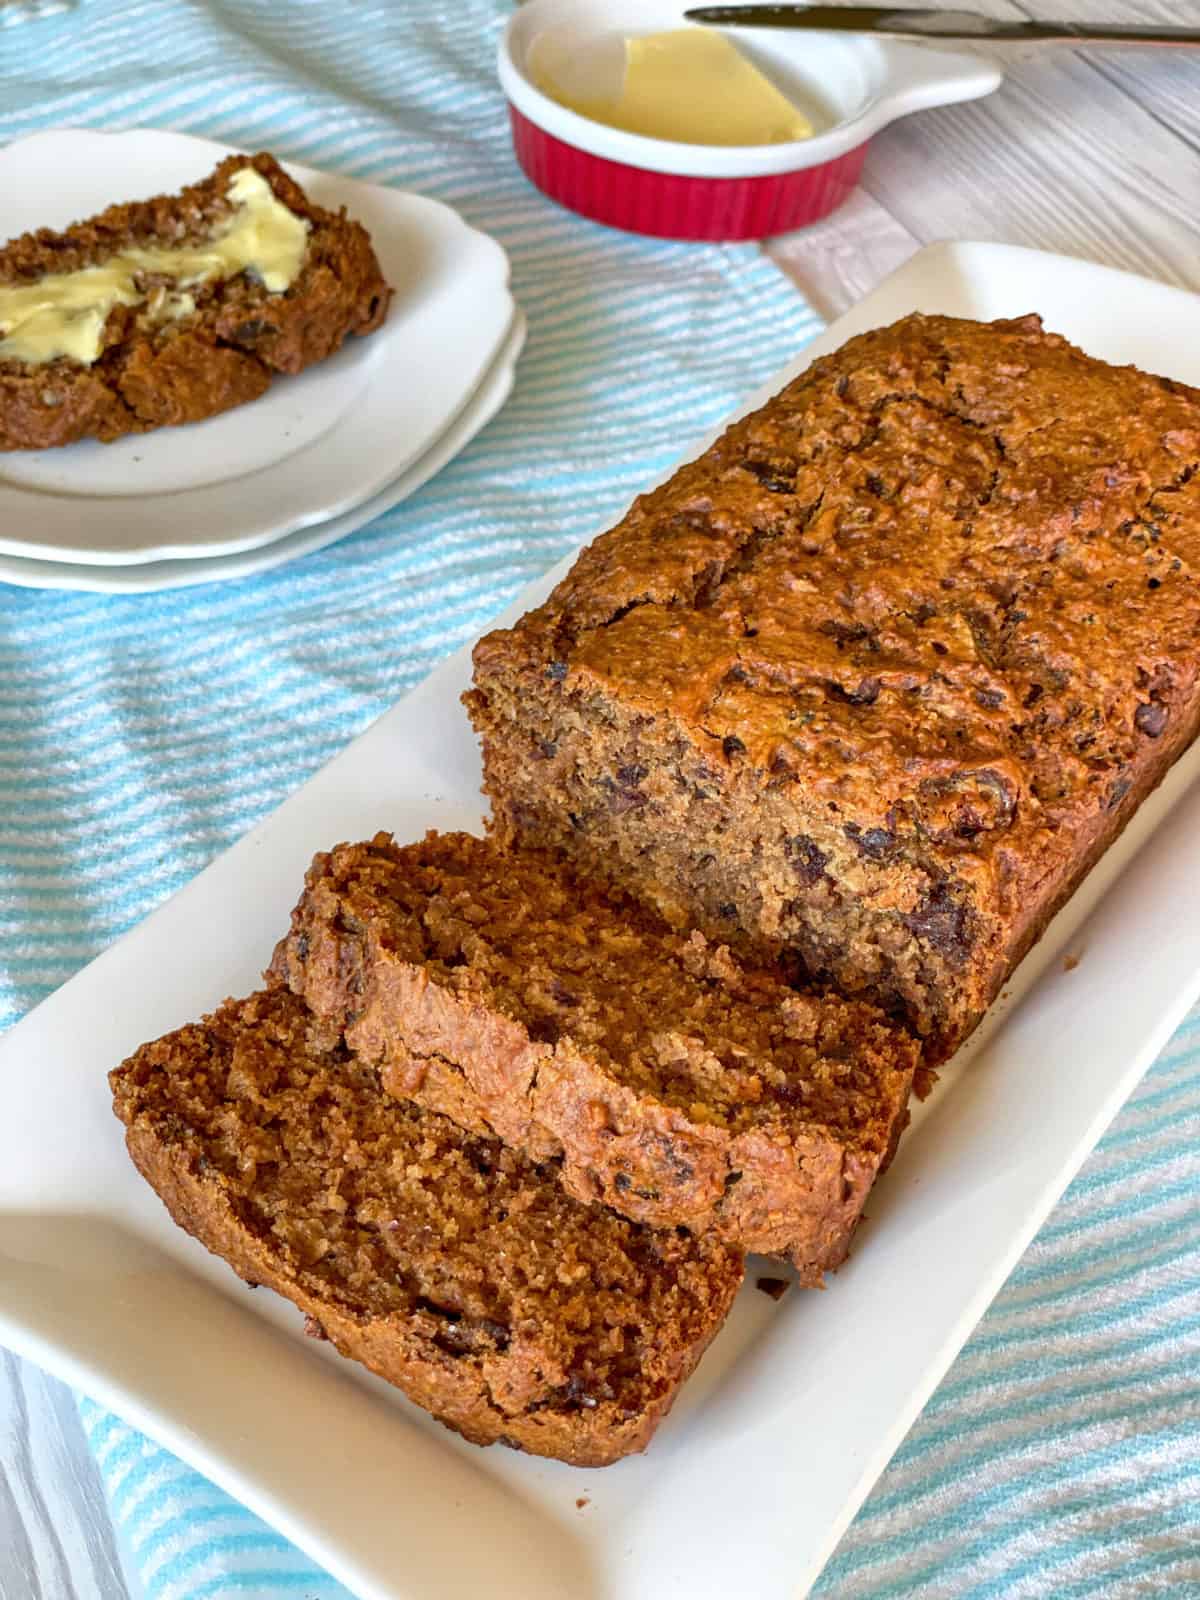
[[64, 313], [693, 86]]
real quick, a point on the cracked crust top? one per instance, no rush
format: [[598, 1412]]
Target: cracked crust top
[[949, 573], [225, 353], [942, 590]]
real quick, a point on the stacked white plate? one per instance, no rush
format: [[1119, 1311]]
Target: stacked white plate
[[319, 455]]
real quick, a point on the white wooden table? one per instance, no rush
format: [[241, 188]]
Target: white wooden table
[[1092, 154]]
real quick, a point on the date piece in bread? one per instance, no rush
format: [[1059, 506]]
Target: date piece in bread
[[877, 678], [445, 1263], [167, 350], [667, 1079]]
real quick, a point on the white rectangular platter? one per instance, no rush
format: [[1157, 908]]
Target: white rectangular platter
[[799, 1404]]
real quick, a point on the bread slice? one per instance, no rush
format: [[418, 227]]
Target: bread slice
[[447, 1264], [671, 1082], [155, 370]]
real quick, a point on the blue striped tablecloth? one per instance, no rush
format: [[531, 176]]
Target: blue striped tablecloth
[[139, 736]]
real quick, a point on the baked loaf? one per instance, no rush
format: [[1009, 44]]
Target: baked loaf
[[669, 1081], [170, 358], [445, 1263], [874, 681]]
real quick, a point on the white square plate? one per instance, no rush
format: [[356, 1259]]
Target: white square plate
[[799, 1404]]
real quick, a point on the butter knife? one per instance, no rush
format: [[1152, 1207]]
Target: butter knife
[[903, 23]]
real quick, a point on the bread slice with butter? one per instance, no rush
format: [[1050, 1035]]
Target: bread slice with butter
[[173, 309]]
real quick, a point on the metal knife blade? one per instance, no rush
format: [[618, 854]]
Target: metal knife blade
[[903, 23]]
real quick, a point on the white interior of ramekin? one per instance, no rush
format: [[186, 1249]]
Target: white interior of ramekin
[[849, 85]]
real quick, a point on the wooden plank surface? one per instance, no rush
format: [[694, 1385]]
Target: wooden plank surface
[[1092, 153], [56, 1536]]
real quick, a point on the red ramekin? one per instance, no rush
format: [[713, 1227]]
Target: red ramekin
[[686, 191]]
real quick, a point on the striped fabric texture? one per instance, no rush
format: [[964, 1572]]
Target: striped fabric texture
[[139, 736], [184, 1536]]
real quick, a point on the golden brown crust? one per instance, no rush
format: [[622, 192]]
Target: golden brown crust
[[667, 1080], [445, 1264], [224, 354], [894, 661]]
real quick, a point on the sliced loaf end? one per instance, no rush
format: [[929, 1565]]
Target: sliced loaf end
[[446, 1264]]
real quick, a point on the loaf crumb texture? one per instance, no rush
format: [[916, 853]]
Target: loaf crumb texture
[[447, 1264], [674, 1082]]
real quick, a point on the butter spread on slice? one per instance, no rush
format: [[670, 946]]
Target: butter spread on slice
[[64, 313], [693, 86]]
